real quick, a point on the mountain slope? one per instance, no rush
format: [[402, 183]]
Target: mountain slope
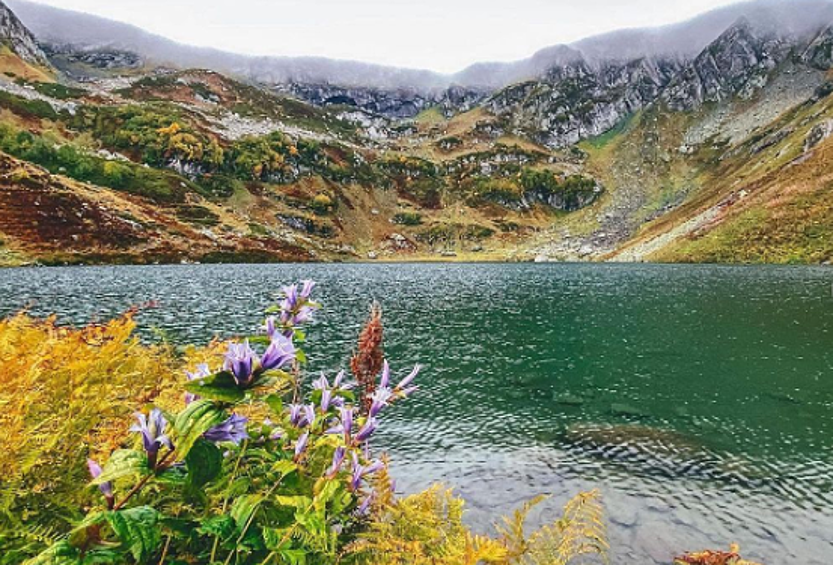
[[631, 146]]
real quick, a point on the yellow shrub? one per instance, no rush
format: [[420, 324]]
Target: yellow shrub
[[66, 394]]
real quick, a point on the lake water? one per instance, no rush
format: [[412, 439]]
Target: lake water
[[698, 399]]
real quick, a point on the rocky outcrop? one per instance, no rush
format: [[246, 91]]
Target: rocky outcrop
[[15, 36], [396, 104], [738, 63], [579, 100], [68, 57], [819, 54], [817, 134]]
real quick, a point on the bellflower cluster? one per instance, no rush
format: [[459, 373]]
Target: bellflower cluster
[[302, 415], [296, 308], [360, 471], [329, 394], [385, 395], [324, 435], [244, 364]]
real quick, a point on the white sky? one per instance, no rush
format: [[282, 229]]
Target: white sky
[[441, 35]]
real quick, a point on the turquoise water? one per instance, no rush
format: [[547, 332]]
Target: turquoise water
[[698, 399]]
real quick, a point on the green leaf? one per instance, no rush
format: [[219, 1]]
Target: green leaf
[[284, 467], [280, 541], [220, 386], [293, 501], [294, 556], [199, 417], [172, 476], [300, 356], [123, 463], [221, 526], [137, 530], [259, 340], [328, 493], [244, 507], [275, 403], [205, 460], [61, 553]]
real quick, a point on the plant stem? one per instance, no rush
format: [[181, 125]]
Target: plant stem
[[225, 502], [165, 551], [250, 520], [142, 483]]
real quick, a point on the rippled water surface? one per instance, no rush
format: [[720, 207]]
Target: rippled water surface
[[698, 399]]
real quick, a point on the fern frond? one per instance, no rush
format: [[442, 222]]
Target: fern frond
[[512, 531], [579, 532]]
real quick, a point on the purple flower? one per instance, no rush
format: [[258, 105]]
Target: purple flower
[[403, 384], [379, 400], [385, 380], [345, 426], [338, 379], [367, 430], [326, 399], [296, 307], [321, 383], [295, 415], [306, 289], [240, 360], [232, 430], [280, 352], [106, 488], [202, 372], [303, 315], [301, 415], [360, 471], [271, 327], [338, 459], [153, 430], [301, 445], [309, 414], [364, 508]]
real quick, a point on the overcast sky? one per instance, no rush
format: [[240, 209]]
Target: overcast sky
[[441, 35]]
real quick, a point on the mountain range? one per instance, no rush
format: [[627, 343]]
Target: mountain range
[[707, 140]]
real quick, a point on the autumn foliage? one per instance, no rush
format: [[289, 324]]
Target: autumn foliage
[[63, 391]]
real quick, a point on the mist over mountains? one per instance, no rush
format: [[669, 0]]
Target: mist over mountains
[[783, 18]]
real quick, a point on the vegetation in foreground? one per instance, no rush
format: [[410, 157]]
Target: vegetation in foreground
[[252, 464]]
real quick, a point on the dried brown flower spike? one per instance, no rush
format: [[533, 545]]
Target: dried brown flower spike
[[367, 361]]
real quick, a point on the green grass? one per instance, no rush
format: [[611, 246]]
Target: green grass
[[798, 231], [601, 141]]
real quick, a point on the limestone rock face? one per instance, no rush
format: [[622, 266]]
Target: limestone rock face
[[17, 37]]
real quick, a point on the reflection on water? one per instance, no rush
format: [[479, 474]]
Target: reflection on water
[[698, 399]]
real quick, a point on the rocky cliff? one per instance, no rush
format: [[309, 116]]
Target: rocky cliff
[[17, 38]]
